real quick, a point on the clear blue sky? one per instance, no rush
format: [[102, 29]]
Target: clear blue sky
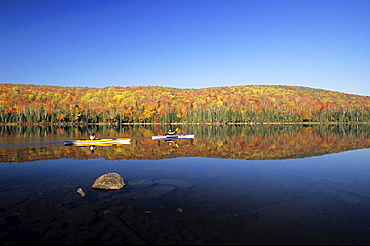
[[187, 43]]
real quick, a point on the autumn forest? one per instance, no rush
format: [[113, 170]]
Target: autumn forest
[[25, 103]]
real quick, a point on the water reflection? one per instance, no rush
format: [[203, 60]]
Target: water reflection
[[20, 144]]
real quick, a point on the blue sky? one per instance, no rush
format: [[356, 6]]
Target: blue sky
[[321, 44]]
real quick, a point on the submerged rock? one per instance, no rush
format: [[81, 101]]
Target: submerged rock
[[141, 183], [179, 184], [109, 181], [154, 192]]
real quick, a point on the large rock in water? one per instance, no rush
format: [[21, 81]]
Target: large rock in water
[[109, 181]]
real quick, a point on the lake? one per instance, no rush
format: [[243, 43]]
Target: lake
[[237, 184]]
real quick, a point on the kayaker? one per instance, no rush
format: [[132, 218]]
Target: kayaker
[[93, 137], [170, 132]]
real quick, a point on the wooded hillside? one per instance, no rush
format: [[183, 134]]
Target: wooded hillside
[[137, 104]]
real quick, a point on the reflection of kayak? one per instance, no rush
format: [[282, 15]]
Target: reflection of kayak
[[99, 141], [174, 136]]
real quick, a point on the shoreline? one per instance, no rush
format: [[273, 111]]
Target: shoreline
[[183, 123]]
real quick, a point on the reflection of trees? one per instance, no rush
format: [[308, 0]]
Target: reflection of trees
[[235, 142]]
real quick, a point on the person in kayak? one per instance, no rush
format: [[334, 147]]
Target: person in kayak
[[170, 132], [93, 137]]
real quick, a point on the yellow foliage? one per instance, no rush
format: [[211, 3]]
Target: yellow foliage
[[219, 103], [118, 97], [149, 111]]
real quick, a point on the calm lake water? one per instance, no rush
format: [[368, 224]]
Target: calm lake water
[[229, 185]]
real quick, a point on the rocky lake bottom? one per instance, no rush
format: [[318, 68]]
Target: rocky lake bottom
[[187, 201]]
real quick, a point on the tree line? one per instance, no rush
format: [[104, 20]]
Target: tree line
[[27, 103]]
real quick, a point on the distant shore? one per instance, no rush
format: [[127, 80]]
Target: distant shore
[[182, 123]]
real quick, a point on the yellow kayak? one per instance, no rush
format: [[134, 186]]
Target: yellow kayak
[[99, 141]]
